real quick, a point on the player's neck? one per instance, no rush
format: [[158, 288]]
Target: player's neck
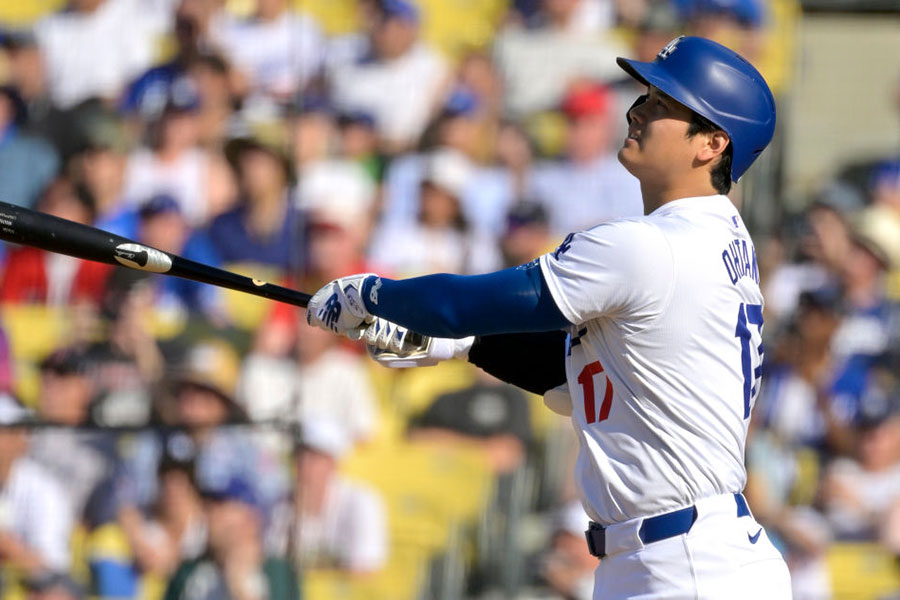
[[656, 195]]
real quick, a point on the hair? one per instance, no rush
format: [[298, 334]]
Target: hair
[[721, 173]]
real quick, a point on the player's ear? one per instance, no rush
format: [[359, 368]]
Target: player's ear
[[714, 145]]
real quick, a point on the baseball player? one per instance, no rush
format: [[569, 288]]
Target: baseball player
[[652, 325]]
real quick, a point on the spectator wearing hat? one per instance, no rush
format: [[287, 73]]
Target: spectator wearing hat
[[35, 516], [235, 564], [175, 164], [276, 51], [27, 162], [588, 186], [394, 77], [33, 275], [100, 168], [262, 229], [527, 234], [338, 524], [204, 422], [441, 240], [861, 493], [866, 328], [83, 460], [162, 225]]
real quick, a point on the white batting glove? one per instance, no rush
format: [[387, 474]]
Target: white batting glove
[[396, 347], [338, 306]]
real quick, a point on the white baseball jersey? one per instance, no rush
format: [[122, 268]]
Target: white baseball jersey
[[663, 362]]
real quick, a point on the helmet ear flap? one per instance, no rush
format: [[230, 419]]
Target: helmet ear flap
[[640, 100]]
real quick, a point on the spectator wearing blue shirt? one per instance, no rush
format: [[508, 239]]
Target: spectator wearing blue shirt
[[28, 163], [262, 229]]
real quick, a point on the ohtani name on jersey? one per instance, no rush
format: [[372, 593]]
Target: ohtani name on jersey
[[740, 261]]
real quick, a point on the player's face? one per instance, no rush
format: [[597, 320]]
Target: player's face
[[657, 147]]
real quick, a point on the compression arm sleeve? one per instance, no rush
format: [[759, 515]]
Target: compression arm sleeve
[[514, 300], [531, 361]]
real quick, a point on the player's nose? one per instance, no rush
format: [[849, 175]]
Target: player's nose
[[633, 112]]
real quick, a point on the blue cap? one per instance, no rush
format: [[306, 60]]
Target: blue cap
[[718, 84], [461, 102], [157, 205], [235, 489], [400, 9]]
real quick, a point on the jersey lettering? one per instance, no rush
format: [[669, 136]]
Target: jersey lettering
[[751, 366], [586, 379], [564, 247], [740, 261]]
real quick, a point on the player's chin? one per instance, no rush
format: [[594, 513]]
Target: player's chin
[[627, 156]]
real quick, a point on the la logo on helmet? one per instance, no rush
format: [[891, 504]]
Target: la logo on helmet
[[669, 49]]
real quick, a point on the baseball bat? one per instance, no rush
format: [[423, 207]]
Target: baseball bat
[[31, 228]]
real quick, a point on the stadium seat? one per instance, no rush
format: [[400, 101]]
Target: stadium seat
[[862, 571]]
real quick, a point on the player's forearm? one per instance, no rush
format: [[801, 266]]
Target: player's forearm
[[455, 306]]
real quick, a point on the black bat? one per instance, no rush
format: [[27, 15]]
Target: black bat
[[31, 228]]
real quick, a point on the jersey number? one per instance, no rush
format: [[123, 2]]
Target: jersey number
[[586, 379], [750, 314]]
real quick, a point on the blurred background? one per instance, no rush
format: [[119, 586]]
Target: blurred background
[[165, 439]]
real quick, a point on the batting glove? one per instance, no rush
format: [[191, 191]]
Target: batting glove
[[397, 347], [338, 307]]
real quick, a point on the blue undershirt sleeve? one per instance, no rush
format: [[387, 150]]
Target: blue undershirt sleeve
[[515, 300]]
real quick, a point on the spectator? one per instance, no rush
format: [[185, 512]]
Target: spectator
[[441, 240], [527, 235], [162, 225], [83, 460], [277, 51], [115, 41], [100, 168], [395, 77], [567, 567], [261, 229], [338, 200], [325, 381], [35, 517], [146, 96], [235, 564], [861, 494], [36, 276], [539, 63], [866, 328], [339, 524], [28, 163], [489, 416], [175, 164], [54, 586], [175, 530], [589, 185], [203, 421]]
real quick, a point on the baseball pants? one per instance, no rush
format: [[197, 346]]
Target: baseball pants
[[722, 556]]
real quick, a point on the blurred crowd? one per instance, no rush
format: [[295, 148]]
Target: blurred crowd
[[161, 438]]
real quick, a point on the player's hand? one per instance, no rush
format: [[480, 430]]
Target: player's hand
[[395, 346], [339, 307]]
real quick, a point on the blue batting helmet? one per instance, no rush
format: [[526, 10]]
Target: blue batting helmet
[[716, 83]]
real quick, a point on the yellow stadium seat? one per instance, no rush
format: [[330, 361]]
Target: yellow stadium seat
[[862, 571], [19, 13]]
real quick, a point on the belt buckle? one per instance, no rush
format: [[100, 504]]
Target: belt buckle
[[596, 536]]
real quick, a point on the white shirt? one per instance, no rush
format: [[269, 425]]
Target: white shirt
[[185, 179], [98, 53], [350, 533], [33, 508], [577, 196], [662, 360], [279, 56], [399, 93]]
